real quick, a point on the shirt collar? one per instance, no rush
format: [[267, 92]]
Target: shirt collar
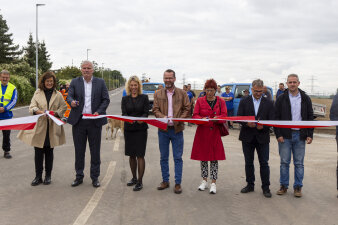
[[170, 92], [294, 96], [86, 81], [254, 99]]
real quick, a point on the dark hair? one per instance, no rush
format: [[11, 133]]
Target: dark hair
[[281, 84], [170, 71], [44, 77], [211, 83]]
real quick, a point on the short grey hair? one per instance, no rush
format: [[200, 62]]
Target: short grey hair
[[87, 62], [5, 72], [257, 83], [293, 75]]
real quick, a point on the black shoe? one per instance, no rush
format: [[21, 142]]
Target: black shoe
[[36, 181], [248, 188], [77, 182], [47, 180], [267, 193], [132, 182], [7, 155], [138, 187], [96, 183]]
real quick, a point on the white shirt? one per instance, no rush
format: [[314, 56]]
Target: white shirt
[[87, 108], [256, 103], [296, 102]]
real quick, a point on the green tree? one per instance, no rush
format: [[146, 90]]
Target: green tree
[[9, 53], [29, 51], [44, 60], [30, 57], [68, 72]]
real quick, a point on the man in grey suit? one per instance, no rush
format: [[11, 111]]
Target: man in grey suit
[[87, 95]]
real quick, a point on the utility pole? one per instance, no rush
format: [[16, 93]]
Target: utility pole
[[183, 79], [312, 84], [194, 85]]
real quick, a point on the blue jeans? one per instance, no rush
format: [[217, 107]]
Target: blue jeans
[[164, 139], [297, 147]]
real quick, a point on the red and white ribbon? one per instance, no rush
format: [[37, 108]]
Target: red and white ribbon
[[27, 122]]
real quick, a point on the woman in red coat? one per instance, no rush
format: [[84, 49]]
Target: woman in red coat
[[208, 144]]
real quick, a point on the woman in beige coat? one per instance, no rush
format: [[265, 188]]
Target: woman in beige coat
[[46, 134]]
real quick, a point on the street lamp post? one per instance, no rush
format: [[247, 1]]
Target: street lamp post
[[87, 52], [37, 48]]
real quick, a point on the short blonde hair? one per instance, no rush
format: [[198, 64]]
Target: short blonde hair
[[137, 80]]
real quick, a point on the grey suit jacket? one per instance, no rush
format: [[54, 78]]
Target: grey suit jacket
[[100, 99]]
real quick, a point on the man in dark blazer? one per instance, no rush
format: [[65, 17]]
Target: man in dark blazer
[[255, 136], [87, 95], [334, 116]]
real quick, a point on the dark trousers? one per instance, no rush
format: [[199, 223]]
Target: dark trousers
[[87, 130], [263, 157], [6, 140], [38, 158], [337, 162]]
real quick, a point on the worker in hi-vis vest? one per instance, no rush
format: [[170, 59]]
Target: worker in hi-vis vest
[[9, 96]]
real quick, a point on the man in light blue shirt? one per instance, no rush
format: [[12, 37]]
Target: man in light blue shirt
[[293, 105]]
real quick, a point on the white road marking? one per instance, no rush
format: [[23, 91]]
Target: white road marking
[[96, 197]]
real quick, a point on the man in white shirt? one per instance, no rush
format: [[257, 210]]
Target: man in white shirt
[[87, 95]]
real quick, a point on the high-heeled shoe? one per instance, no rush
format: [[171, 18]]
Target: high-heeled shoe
[[132, 182], [138, 187]]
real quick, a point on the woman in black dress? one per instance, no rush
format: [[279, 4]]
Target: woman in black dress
[[135, 134]]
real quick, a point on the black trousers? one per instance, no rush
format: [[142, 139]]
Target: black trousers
[[337, 163], [41, 153], [263, 157], [6, 140], [87, 130]]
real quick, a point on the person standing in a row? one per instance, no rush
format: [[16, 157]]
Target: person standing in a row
[[334, 116], [8, 98], [293, 105], [208, 145], [255, 136], [46, 135], [87, 95], [171, 102], [135, 104]]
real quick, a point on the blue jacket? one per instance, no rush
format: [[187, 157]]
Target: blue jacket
[[8, 114]]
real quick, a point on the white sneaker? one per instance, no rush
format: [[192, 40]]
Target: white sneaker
[[203, 185], [213, 188]]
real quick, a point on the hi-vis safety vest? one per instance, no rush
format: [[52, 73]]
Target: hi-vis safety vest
[[7, 96]]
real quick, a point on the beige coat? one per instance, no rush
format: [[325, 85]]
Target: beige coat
[[36, 137]]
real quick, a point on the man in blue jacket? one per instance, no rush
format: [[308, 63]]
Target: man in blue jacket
[[8, 100], [334, 116]]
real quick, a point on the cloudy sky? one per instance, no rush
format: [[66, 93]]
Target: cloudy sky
[[228, 40]]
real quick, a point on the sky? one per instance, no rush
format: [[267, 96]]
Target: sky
[[230, 41]]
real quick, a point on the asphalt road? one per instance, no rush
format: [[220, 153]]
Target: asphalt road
[[115, 203]]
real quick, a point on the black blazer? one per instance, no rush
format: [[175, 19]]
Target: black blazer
[[100, 99], [138, 107], [265, 112]]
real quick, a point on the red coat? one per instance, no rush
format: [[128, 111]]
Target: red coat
[[208, 145]]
